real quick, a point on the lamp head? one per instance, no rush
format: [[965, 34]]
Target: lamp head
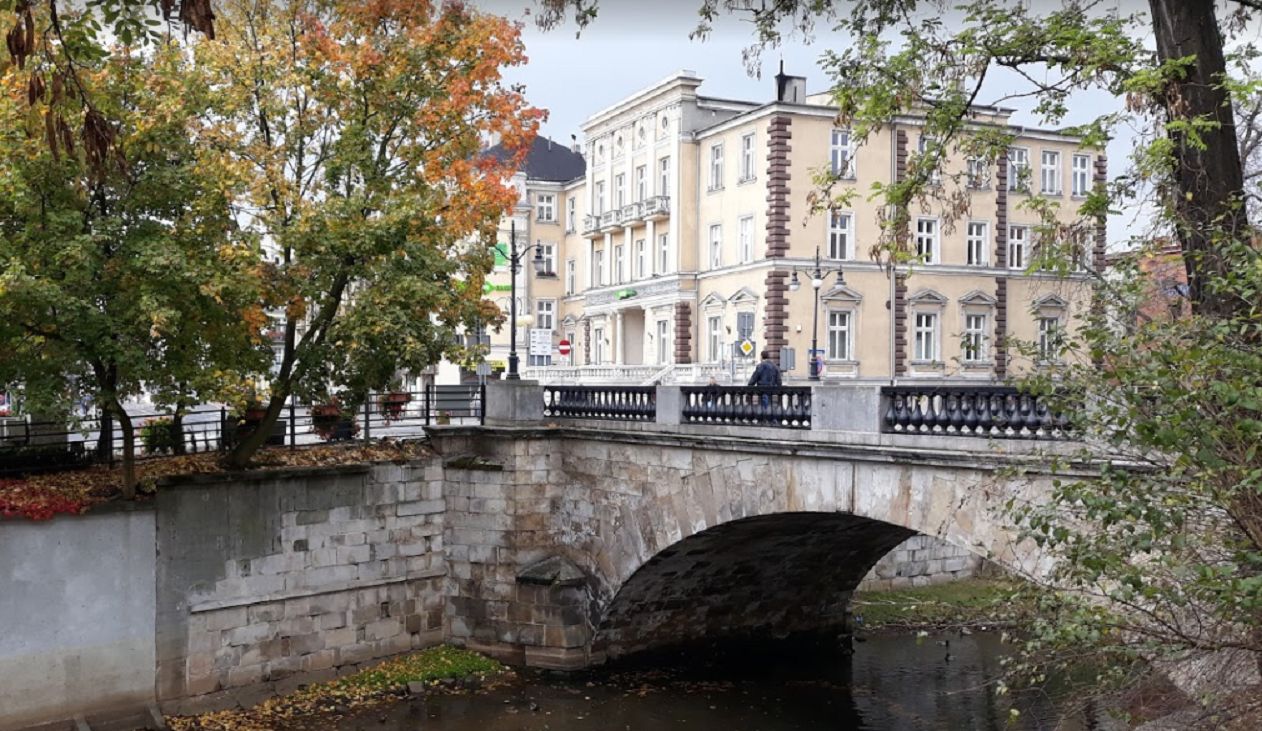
[[794, 284], [538, 261]]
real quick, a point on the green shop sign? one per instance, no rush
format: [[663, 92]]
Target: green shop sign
[[488, 287], [625, 294]]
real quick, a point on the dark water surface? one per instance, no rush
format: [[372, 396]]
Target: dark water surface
[[890, 682]]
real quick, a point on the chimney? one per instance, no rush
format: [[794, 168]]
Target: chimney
[[549, 144], [576, 145], [791, 89]]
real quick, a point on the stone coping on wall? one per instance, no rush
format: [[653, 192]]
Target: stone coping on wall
[[943, 451], [279, 596]]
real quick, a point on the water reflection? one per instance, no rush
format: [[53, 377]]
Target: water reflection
[[891, 682]]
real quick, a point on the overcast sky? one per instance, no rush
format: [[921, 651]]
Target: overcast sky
[[634, 43]]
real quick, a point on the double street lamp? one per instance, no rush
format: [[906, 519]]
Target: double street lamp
[[514, 265], [818, 275]]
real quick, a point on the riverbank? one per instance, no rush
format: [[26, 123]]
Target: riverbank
[[967, 604]]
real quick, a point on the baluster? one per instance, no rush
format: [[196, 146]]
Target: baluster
[[1043, 418], [968, 410], [1029, 418], [986, 414], [891, 414], [901, 413], [917, 415], [955, 412]]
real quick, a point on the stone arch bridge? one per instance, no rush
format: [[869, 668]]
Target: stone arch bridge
[[572, 541]]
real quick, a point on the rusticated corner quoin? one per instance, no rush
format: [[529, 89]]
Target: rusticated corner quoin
[[776, 310]]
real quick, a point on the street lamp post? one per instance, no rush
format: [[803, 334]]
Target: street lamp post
[[818, 275], [514, 265]]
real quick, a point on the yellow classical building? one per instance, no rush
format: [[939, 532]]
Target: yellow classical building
[[680, 236]]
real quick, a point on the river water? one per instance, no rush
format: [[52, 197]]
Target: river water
[[890, 682]]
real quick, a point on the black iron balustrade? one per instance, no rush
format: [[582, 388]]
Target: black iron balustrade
[[620, 403], [787, 407], [1000, 412]]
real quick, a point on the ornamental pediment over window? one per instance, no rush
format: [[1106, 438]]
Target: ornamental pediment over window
[[842, 293], [927, 297]]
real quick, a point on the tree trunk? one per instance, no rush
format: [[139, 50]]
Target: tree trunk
[[1208, 193], [243, 451], [129, 449], [105, 435], [177, 430]]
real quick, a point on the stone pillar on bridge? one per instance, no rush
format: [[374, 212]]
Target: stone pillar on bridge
[[669, 405], [514, 403], [846, 408]]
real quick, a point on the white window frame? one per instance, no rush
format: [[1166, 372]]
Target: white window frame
[[571, 214], [745, 238], [570, 268], [598, 197], [548, 252], [598, 347], [841, 154], [977, 170], [926, 337], [598, 267], [619, 191], [545, 314], [716, 245], [663, 176], [714, 326], [976, 341], [747, 157], [922, 149], [977, 243], [664, 356], [928, 241], [641, 259], [1045, 338], [619, 251], [1018, 161], [1018, 246], [641, 183], [716, 166], [545, 207], [840, 234], [1049, 172], [1080, 178], [839, 333], [663, 253]]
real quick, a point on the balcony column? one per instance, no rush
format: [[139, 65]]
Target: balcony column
[[650, 240], [617, 337]]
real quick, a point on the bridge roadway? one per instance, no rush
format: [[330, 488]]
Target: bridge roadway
[[573, 540]]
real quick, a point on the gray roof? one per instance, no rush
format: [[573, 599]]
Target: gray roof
[[547, 160]]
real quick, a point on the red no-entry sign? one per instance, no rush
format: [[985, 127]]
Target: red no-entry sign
[[563, 347]]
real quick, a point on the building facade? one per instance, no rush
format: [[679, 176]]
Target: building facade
[[673, 253]]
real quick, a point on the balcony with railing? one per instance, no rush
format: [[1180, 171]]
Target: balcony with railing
[[591, 224], [610, 220], [655, 208]]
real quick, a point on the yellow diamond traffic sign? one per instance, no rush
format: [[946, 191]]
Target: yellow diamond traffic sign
[[747, 347]]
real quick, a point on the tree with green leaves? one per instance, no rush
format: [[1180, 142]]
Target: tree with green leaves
[[361, 128], [1158, 557], [125, 273]]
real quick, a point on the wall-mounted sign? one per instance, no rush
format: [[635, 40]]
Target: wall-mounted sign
[[540, 341], [488, 287], [623, 294], [746, 348]]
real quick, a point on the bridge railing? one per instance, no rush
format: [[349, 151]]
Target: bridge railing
[[997, 412], [786, 407], [622, 403]]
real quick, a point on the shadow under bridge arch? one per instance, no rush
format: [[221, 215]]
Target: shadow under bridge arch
[[766, 576]]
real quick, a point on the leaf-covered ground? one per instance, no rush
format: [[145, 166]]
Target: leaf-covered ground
[[318, 706], [959, 604], [39, 497]]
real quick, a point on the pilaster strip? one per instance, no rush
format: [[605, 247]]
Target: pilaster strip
[[683, 332], [1001, 261]]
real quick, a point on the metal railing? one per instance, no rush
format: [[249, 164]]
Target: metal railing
[[621, 403], [29, 446], [1001, 412], [786, 407]]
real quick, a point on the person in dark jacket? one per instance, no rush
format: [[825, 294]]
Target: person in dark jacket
[[767, 373]]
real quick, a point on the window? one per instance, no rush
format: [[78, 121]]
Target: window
[[617, 263], [571, 214], [1081, 176], [745, 238], [1049, 338], [716, 166], [641, 183], [663, 176], [975, 241], [598, 345], [715, 328], [569, 276], [747, 157], [598, 267], [716, 246], [926, 337], [619, 190], [617, 146], [927, 240], [1018, 238], [841, 154], [1018, 169], [839, 336], [839, 235], [641, 259], [975, 338], [599, 202], [978, 173], [545, 207], [1049, 173], [925, 146], [744, 325], [663, 254], [548, 252], [545, 314], [663, 342]]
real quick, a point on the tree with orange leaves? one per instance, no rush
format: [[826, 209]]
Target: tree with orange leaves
[[361, 126]]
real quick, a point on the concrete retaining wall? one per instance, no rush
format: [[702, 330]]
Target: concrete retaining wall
[[76, 616]]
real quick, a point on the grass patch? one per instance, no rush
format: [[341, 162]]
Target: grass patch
[[968, 603], [323, 703]]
